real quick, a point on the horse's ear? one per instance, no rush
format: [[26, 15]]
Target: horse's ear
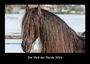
[[27, 7], [39, 10]]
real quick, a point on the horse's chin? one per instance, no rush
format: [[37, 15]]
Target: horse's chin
[[26, 47], [28, 51]]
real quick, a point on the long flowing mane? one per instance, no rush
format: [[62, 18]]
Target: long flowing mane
[[55, 35]]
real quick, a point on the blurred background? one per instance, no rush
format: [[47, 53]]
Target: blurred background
[[73, 15], [62, 9]]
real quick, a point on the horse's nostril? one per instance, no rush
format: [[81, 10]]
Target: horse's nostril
[[24, 46]]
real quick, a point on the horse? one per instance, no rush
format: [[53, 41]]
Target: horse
[[55, 35]]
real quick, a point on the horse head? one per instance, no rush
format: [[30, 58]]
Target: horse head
[[30, 29]]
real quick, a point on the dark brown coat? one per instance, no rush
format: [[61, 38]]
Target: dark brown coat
[[55, 35]]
